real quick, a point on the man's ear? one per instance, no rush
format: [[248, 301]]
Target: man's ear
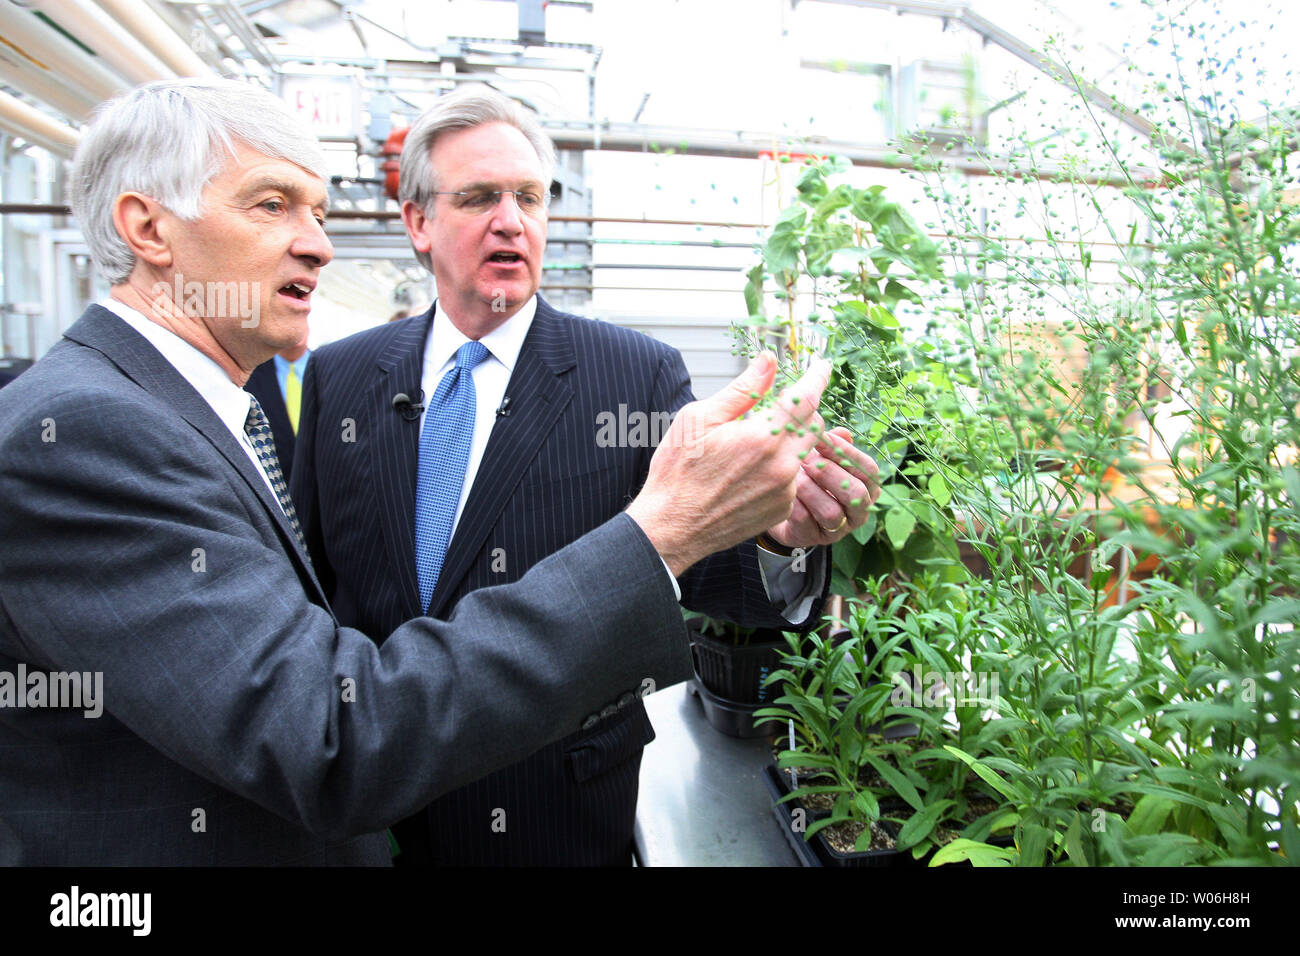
[[414, 218], [137, 218]]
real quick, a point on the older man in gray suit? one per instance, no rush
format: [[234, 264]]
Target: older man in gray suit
[[152, 560]]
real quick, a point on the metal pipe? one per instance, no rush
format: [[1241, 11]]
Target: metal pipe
[[380, 215], [153, 31], [346, 215], [33, 208], [42, 43], [629, 288], [660, 222], [736, 270], [240, 27], [705, 244], [45, 85], [18, 118], [98, 31], [698, 143]]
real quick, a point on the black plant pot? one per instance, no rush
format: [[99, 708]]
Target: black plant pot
[[736, 673], [731, 718], [833, 857], [818, 851]]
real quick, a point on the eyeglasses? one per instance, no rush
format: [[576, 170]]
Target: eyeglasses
[[477, 202]]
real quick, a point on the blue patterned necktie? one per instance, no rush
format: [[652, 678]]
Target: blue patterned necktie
[[258, 430], [444, 453]]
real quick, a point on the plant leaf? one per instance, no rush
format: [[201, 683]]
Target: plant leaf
[[899, 524], [979, 854], [1011, 791], [919, 825], [901, 785], [1149, 814]]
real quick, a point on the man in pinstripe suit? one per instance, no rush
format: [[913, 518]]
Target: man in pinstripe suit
[[475, 176], [148, 549]]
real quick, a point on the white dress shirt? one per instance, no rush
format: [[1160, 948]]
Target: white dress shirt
[[793, 589], [491, 376], [230, 402]]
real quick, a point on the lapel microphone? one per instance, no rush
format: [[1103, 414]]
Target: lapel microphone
[[406, 408], [504, 410]]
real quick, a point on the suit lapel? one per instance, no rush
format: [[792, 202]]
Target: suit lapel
[[396, 454], [141, 362], [538, 395]]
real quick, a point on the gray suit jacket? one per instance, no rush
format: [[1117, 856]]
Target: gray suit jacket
[[242, 724]]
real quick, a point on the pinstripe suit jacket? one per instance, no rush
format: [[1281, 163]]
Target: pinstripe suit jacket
[[544, 481], [241, 724]]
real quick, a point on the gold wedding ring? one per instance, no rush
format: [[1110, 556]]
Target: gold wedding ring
[[844, 519]]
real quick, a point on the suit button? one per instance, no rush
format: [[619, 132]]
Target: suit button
[[626, 699], [609, 711], [591, 721]]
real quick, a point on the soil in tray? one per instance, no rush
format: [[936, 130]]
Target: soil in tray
[[812, 802], [842, 836]]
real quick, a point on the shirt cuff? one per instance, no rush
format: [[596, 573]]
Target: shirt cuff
[[677, 588], [792, 585]]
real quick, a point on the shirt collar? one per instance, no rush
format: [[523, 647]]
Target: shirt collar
[[228, 400], [299, 365], [504, 342]]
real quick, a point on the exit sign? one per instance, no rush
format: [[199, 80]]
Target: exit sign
[[328, 104]]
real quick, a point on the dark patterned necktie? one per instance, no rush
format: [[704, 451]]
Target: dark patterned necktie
[[259, 433]]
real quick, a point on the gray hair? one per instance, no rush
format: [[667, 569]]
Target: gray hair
[[464, 108], [168, 140]]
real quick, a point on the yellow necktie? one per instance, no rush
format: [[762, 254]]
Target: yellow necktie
[[293, 398]]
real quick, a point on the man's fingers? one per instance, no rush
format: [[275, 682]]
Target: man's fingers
[[801, 399], [837, 448], [821, 506], [796, 407], [846, 472], [847, 490], [739, 395]]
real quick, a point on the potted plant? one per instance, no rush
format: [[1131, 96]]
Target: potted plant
[[732, 666], [835, 705]]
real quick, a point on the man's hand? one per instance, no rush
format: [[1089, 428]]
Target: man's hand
[[833, 498], [715, 481]]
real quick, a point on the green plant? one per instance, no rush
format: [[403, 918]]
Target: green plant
[[948, 689], [865, 736], [1113, 445], [724, 631], [837, 706], [855, 256], [1159, 729]]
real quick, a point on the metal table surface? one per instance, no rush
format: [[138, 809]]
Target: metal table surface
[[702, 800]]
